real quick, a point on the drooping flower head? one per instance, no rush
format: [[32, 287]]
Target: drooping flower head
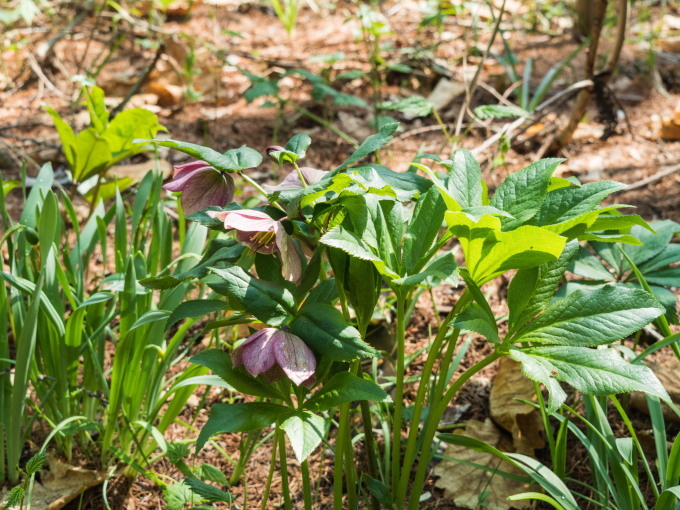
[[201, 186], [275, 353], [263, 234], [292, 180]]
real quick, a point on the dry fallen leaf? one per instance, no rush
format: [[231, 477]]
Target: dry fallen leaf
[[518, 418], [470, 487], [445, 92]]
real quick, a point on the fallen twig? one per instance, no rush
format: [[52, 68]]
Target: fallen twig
[[653, 178]]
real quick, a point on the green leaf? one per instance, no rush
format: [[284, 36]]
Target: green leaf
[[66, 135], [531, 289], [378, 490], [498, 111], [412, 107], [464, 182], [149, 318], [299, 144], [653, 243], [441, 269], [589, 266], [127, 126], [241, 417], [355, 246], [272, 304], [178, 495], [592, 318], [194, 308], [321, 90], [206, 491], [15, 497], [667, 277], [305, 432], [324, 328], [523, 192], [342, 388], [231, 161], [371, 144], [474, 318], [591, 371], [220, 363], [422, 230], [36, 463], [92, 155], [99, 115], [211, 473]]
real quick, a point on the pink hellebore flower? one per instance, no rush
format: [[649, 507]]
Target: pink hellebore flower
[[263, 234], [201, 186], [271, 351], [292, 180]]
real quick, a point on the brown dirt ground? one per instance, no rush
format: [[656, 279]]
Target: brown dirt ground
[[223, 119]]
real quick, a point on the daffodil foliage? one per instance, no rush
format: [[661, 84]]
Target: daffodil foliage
[[306, 267]]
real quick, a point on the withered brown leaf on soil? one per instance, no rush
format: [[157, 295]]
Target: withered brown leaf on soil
[[471, 487], [518, 418]]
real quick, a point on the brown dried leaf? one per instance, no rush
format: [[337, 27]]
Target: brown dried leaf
[[471, 487], [521, 420]]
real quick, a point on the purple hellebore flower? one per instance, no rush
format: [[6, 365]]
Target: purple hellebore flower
[[270, 351], [201, 186], [292, 180], [263, 234]]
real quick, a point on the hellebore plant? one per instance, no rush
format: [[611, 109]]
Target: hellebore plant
[[367, 229], [202, 186]]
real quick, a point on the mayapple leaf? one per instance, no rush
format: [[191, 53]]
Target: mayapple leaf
[[92, 155], [597, 317], [241, 417], [305, 432], [220, 363], [127, 126], [531, 289], [350, 243], [324, 328], [591, 371], [523, 192], [342, 388], [272, 304], [371, 144]]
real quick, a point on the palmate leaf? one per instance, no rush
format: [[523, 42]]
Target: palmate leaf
[[588, 318], [591, 371]]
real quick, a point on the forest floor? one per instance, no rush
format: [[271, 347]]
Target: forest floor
[[208, 50]]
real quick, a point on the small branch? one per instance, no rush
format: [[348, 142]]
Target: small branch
[[652, 178], [135, 87]]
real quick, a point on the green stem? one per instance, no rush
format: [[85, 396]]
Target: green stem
[[270, 476], [259, 189], [283, 468], [323, 122], [300, 176], [399, 391], [370, 448], [306, 485], [425, 377], [350, 472], [436, 413], [339, 457]]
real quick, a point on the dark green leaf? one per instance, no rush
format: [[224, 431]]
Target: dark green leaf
[[371, 144], [231, 161], [324, 328], [342, 388], [241, 417], [194, 308], [206, 491]]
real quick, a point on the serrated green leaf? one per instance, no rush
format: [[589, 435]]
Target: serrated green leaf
[[427, 219], [523, 192], [591, 371], [342, 388], [441, 269], [178, 495], [587, 318], [371, 144], [324, 328], [231, 161], [206, 491], [194, 308], [36, 463], [272, 304], [241, 417]]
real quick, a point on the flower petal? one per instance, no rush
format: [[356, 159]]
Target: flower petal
[[249, 220], [290, 257], [292, 180], [294, 357], [189, 167], [206, 188], [256, 353]]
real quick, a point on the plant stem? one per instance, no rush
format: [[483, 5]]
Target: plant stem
[[370, 448], [259, 188], [283, 468], [426, 375], [300, 176], [272, 463], [323, 122], [399, 391], [435, 416], [306, 485]]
